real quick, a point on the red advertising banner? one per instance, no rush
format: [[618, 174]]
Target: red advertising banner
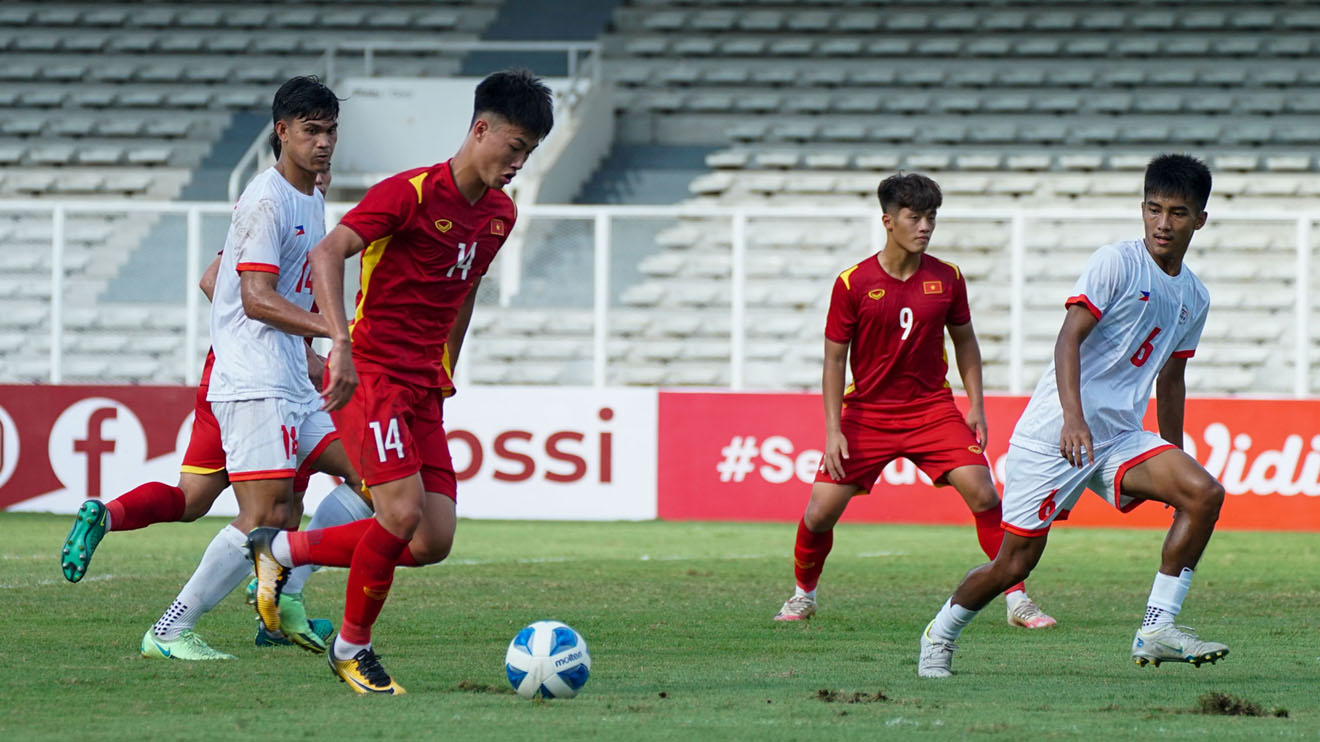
[[754, 456], [519, 452]]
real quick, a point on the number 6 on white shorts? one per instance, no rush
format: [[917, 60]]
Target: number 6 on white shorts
[[389, 440]]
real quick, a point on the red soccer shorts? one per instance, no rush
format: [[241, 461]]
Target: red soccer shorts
[[392, 431], [205, 455], [936, 440]]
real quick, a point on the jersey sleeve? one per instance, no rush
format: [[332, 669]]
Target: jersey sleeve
[[256, 242], [1100, 283], [1191, 337], [959, 311], [842, 317], [385, 208]]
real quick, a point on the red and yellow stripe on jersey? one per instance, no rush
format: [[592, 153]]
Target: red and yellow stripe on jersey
[[894, 331], [426, 249]]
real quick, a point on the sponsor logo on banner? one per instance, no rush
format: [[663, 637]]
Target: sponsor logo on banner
[[754, 457], [560, 453], [9, 446], [557, 453]]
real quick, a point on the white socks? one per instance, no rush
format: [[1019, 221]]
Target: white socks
[[341, 506], [798, 592], [343, 650], [950, 621], [1014, 598], [279, 548], [1166, 599], [224, 565]]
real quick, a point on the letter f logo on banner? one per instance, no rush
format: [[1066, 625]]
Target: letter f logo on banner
[[94, 446]]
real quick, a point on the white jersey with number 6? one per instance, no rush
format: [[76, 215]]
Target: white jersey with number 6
[[273, 227], [1145, 317]]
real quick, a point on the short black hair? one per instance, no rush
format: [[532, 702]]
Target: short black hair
[[909, 190], [275, 145], [1178, 175], [519, 97], [304, 97]]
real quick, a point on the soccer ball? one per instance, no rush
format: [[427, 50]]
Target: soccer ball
[[547, 659]]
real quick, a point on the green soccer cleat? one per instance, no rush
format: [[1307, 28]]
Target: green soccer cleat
[[265, 638], [87, 532], [294, 624], [188, 646]]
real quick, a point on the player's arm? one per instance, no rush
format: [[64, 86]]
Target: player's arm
[[262, 302], [315, 367], [459, 330], [1075, 437], [967, 352], [207, 284], [1170, 399], [327, 269], [832, 382]]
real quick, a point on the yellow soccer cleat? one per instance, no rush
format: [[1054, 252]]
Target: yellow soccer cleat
[[364, 674], [271, 575]]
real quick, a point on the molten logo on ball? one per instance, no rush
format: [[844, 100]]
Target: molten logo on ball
[[547, 659]]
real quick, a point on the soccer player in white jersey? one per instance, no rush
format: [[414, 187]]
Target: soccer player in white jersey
[[265, 404], [1134, 319]]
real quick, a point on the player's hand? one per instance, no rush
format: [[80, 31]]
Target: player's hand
[[342, 378], [836, 450], [1075, 442], [315, 370], [976, 421]]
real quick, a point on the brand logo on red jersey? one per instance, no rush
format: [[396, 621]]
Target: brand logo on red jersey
[[876, 293], [975, 449], [497, 226], [444, 225], [932, 287]]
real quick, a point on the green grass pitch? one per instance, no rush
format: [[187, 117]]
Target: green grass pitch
[[677, 617]]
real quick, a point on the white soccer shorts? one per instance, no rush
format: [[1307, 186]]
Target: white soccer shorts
[[1040, 488], [269, 438]]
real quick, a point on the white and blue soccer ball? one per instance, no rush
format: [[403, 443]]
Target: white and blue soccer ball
[[547, 659]]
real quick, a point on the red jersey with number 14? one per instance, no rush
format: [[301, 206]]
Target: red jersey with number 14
[[426, 248], [895, 332]]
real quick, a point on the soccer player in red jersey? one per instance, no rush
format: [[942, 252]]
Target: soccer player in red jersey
[[886, 322], [427, 236]]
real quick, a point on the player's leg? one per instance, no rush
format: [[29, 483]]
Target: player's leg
[[977, 488], [223, 566], [814, 540], [1170, 476], [1040, 489], [327, 455], [147, 504]]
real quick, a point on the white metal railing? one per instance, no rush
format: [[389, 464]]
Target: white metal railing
[[583, 60], [603, 219]]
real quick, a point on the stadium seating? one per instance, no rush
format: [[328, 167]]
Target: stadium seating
[[1006, 105], [113, 100], [789, 106]]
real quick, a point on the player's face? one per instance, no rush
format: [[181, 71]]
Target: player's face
[[309, 143], [323, 181], [1170, 222], [502, 150], [911, 230]]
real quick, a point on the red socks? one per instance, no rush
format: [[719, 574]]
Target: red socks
[[990, 532], [809, 554], [153, 502], [333, 547], [328, 547], [369, 580]]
